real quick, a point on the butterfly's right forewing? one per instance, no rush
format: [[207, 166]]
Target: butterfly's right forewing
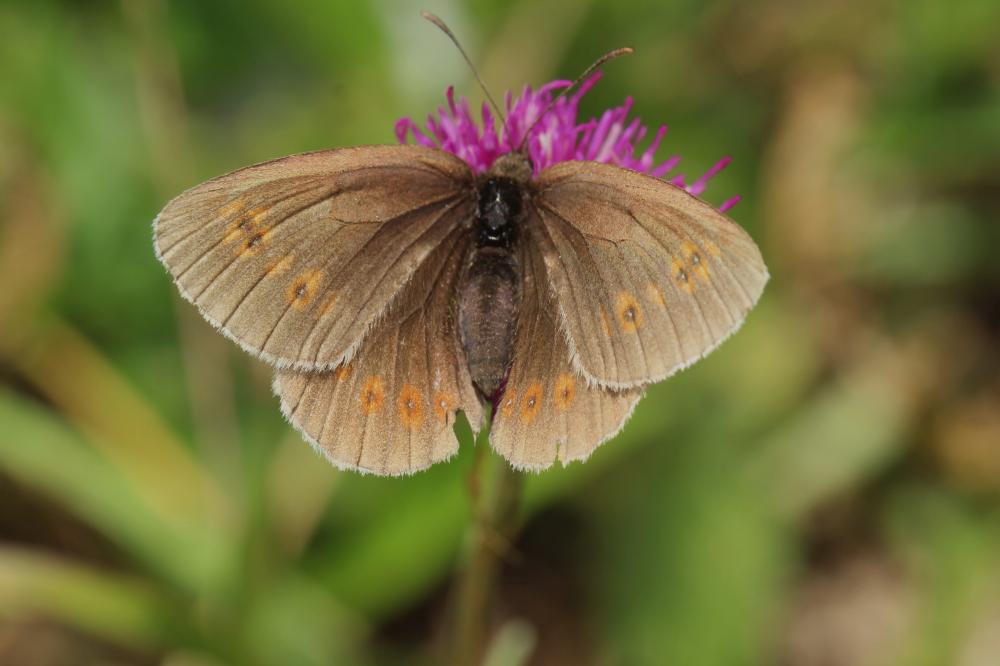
[[649, 278], [295, 259]]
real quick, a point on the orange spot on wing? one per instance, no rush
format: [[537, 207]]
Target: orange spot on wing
[[304, 288], [411, 406], [372, 395], [629, 312], [254, 244], [444, 405], [328, 304], [713, 249], [656, 294], [344, 372], [565, 391], [695, 261], [679, 273], [531, 403], [280, 266], [508, 401]]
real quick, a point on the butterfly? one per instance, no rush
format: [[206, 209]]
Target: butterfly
[[393, 286]]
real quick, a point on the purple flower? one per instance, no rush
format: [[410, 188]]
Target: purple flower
[[557, 137]]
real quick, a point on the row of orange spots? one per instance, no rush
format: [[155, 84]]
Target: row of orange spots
[[410, 402], [246, 225], [683, 272], [530, 404]]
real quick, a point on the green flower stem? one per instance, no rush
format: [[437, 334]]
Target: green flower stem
[[495, 489]]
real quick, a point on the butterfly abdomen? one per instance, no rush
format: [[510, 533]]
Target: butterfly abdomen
[[489, 300]]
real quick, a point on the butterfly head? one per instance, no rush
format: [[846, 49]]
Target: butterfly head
[[515, 166]]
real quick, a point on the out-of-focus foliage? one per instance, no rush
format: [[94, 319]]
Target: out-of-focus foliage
[[824, 489]]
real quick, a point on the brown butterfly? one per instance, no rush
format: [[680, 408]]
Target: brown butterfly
[[393, 286]]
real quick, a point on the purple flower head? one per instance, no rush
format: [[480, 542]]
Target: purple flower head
[[559, 136]]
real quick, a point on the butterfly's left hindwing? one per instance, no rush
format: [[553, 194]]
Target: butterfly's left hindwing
[[392, 408], [548, 412]]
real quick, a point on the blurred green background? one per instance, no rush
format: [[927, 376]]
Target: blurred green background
[[823, 490]]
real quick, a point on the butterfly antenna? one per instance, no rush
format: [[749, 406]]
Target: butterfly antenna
[[610, 55], [443, 27]]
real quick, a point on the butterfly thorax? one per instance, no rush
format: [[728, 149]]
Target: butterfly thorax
[[498, 212], [500, 200], [490, 293]]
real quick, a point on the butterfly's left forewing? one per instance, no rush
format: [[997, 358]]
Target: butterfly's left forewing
[[547, 411], [391, 409], [296, 258]]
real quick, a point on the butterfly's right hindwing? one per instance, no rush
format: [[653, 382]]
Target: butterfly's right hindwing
[[548, 411], [297, 258]]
